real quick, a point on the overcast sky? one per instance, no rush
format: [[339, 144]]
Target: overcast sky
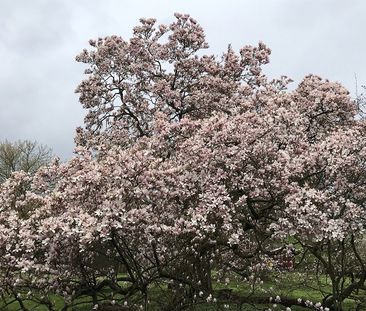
[[40, 38]]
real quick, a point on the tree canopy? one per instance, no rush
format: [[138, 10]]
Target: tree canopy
[[191, 168]]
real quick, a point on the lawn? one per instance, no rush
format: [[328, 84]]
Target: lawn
[[291, 285]]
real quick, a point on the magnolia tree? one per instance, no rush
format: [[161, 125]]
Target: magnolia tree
[[190, 170]]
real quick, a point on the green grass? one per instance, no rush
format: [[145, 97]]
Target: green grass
[[292, 285]]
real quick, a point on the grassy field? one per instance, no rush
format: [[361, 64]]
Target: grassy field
[[292, 286]]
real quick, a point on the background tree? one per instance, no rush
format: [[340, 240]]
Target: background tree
[[24, 156]]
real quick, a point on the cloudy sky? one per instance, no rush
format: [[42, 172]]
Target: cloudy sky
[[40, 38]]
